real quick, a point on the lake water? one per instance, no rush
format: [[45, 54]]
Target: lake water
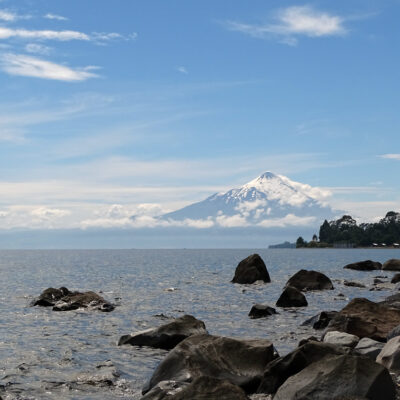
[[47, 355]]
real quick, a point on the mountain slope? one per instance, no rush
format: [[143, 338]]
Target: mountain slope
[[262, 201]]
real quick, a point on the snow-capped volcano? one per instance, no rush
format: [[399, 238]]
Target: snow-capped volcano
[[269, 200]]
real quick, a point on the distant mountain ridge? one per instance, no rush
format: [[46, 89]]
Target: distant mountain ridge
[[267, 200]]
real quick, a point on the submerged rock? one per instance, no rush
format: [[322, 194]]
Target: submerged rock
[[64, 300], [166, 336], [338, 377], [291, 297], [202, 388], [310, 280], [250, 270], [364, 318], [391, 265], [367, 265], [261, 311], [241, 362], [353, 284]]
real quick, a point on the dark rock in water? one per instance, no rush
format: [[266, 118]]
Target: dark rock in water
[[395, 279], [261, 310], [166, 336], [202, 388], [309, 280], [391, 265], [50, 296], [241, 362], [321, 320], [279, 370], [393, 333], [364, 318], [291, 297], [367, 265], [377, 280], [105, 375], [337, 376], [250, 270], [353, 284], [64, 300]]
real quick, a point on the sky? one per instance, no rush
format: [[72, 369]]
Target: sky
[[109, 109]]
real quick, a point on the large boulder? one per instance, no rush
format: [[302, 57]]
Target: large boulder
[[337, 377], [321, 320], [202, 388], [279, 370], [391, 265], [366, 265], [390, 354], [250, 270], [241, 362], [309, 280], [64, 300], [396, 278], [166, 336], [364, 318], [291, 297], [261, 311], [368, 347]]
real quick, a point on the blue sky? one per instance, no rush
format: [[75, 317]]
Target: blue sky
[[113, 108]]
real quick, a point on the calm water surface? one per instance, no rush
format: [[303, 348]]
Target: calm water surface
[[49, 355]]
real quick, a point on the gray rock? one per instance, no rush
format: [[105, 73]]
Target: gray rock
[[368, 347], [250, 270], [390, 354], [310, 280], [393, 333], [341, 339], [391, 265], [166, 336], [353, 284], [338, 377], [291, 297], [241, 362], [261, 311]]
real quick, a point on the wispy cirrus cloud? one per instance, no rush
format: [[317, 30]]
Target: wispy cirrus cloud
[[66, 35], [182, 70], [394, 156], [55, 17], [37, 48], [22, 65], [11, 16], [292, 22]]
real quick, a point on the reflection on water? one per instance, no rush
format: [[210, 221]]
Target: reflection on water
[[49, 355]]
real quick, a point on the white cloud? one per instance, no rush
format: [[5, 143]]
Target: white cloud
[[8, 16], [292, 22], [49, 213], [391, 156], [231, 221], [55, 16], [8, 33], [182, 70], [288, 220], [15, 64], [37, 48]]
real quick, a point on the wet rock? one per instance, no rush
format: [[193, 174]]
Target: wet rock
[[291, 297], [341, 339], [377, 280], [204, 387], [396, 278], [392, 301], [391, 265], [390, 355], [367, 265], [364, 318], [241, 362], [279, 370], [308, 339], [309, 280], [250, 270], [393, 333], [261, 311], [166, 336], [353, 284], [321, 320], [368, 347], [64, 300], [337, 376], [105, 375]]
